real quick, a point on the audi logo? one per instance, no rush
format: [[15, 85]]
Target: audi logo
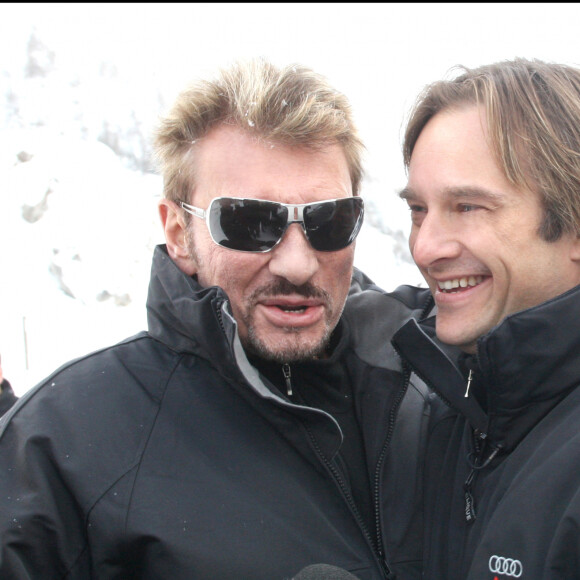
[[505, 566]]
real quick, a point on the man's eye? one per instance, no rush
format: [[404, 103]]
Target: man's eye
[[465, 207], [418, 213]]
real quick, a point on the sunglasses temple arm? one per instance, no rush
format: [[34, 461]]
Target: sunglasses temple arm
[[196, 211]]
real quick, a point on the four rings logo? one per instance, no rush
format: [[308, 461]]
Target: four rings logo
[[505, 566]]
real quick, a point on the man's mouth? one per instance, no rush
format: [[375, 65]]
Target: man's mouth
[[458, 284], [292, 312], [292, 308]]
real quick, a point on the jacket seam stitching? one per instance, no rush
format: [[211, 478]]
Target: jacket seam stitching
[[133, 467]]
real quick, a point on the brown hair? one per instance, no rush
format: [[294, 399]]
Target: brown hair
[[290, 106], [533, 117]]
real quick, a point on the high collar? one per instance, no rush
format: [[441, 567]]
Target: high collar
[[526, 364], [190, 319], [178, 308]]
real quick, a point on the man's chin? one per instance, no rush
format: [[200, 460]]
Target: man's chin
[[465, 341], [291, 348]]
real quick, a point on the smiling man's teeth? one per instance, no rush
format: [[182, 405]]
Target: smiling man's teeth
[[450, 285]]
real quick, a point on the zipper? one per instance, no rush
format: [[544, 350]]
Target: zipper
[[333, 470], [470, 513], [219, 315], [288, 378], [473, 458], [428, 306], [377, 503], [378, 544], [469, 379], [377, 549], [476, 464], [477, 439]]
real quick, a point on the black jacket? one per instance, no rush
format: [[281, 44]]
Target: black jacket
[[168, 457], [503, 475]]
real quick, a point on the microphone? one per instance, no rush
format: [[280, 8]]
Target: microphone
[[323, 572]]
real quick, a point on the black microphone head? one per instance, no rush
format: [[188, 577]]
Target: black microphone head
[[323, 572]]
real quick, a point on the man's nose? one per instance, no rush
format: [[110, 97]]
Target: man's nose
[[434, 240], [294, 258]]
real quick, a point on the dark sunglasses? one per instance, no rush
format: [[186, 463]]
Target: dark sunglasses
[[257, 225]]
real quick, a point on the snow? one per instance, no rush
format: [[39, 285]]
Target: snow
[[76, 272]]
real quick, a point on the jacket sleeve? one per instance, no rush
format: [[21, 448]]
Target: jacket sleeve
[[69, 454], [41, 524]]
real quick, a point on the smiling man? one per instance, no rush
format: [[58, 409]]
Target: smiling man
[[263, 423], [493, 160]]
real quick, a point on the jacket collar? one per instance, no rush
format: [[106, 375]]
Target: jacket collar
[[190, 319], [178, 307], [525, 365]]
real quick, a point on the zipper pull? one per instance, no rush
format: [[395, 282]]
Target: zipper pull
[[470, 516], [288, 378], [468, 383]]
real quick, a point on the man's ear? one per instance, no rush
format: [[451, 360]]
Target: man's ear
[[174, 227], [576, 249]]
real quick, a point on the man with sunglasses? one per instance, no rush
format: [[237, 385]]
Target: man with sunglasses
[[260, 426]]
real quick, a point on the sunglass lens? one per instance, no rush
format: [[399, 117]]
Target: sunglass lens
[[247, 225], [332, 226]]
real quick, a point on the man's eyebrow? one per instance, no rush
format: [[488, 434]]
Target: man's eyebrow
[[464, 193], [475, 193], [407, 193]]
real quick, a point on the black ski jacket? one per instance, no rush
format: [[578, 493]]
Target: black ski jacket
[[168, 456], [503, 474]]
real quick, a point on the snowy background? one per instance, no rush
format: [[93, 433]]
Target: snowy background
[[82, 86]]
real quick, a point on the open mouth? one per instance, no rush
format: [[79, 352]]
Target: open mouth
[[459, 284], [292, 312], [293, 308]]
